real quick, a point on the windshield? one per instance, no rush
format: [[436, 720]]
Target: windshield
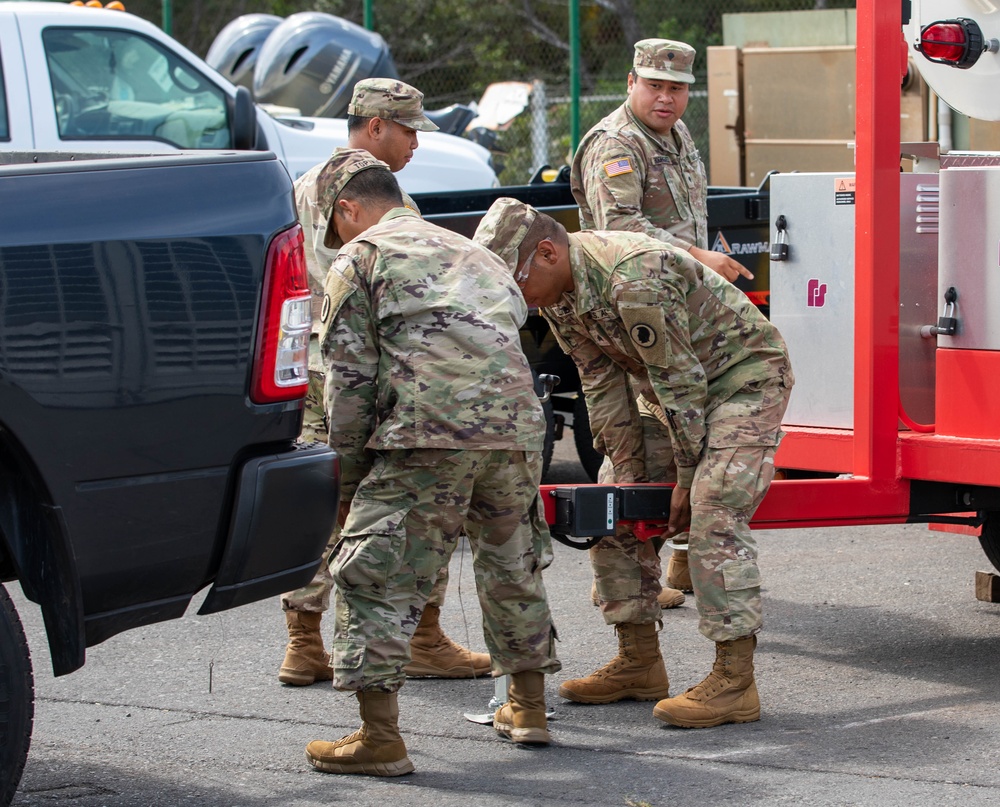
[[110, 84]]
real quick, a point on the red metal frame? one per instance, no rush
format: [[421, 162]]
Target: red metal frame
[[876, 460], [964, 448], [876, 491]]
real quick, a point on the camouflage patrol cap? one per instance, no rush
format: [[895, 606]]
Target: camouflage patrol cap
[[390, 99], [665, 60], [503, 228], [341, 168]]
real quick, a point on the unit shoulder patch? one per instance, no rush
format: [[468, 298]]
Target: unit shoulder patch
[[647, 329], [338, 287], [643, 335]]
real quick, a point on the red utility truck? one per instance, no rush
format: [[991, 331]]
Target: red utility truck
[[887, 300]]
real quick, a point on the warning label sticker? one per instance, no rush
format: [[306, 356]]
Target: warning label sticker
[[843, 191]]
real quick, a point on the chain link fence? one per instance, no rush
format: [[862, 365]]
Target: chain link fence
[[453, 50], [542, 134]]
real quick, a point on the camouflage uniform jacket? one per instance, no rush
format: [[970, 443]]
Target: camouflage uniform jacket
[[420, 342], [318, 260], [625, 177], [318, 257], [649, 319]]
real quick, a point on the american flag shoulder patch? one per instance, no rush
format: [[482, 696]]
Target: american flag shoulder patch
[[616, 167]]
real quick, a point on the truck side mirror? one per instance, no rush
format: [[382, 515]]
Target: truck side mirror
[[244, 121]]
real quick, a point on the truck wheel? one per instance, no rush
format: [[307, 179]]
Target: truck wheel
[[989, 539], [17, 699], [590, 457], [550, 426]]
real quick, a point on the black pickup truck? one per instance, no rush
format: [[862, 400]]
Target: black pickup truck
[[153, 341], [737, 225]]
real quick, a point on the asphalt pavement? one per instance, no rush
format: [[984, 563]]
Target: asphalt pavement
[[877, 671]]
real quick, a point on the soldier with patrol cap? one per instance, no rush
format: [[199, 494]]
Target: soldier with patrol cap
[[432, 408], [384, 117], [639, 170], [650, 328]]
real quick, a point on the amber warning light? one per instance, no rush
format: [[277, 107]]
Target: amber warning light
[[958, 43]]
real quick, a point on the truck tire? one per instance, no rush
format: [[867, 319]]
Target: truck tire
[[17, 699], [989, 539], [590, 458]]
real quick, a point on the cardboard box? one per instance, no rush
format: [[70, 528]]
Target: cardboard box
[[914, 120], [799, 93], [725, 116], [984, 135]]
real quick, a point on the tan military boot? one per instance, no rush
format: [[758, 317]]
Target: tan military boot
[[522, 719], [667, 598], [728, 695], [376, 749], [636, 673], [434, 655], [670, 597], [306, 662], [678, 574]]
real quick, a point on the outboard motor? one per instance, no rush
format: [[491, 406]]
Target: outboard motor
[[312, 61], [235, 50]]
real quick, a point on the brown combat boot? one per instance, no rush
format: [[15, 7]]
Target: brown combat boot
[[306, 662], [670, 598], [667, 598], [522, 719], [636, 673], [434, 655], [376, 749], [728, 695], [678, 574]]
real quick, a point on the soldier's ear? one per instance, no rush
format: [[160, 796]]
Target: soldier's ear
[[546, 250], [348, 208], [376, 126]]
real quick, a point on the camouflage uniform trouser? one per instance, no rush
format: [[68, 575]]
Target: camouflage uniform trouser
[[315, 595], [405, 521], [729, 484]]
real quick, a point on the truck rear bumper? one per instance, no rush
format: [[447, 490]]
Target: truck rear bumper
[[284, 512]]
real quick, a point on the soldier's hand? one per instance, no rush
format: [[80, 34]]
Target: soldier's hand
[[721, 263], [680, 512]]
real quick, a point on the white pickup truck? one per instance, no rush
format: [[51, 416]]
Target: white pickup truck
[[90, 79]]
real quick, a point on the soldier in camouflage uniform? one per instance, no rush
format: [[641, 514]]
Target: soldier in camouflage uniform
[[432, 409], [639, 170], [650, 328], [383, 118]]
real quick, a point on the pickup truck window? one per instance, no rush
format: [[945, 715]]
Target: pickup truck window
[[4, 125], [116, 85]]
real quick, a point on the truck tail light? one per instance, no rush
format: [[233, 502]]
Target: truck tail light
[[958, 42], [281, 359]]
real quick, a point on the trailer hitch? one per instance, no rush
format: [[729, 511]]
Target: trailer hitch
[[584, 514]]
